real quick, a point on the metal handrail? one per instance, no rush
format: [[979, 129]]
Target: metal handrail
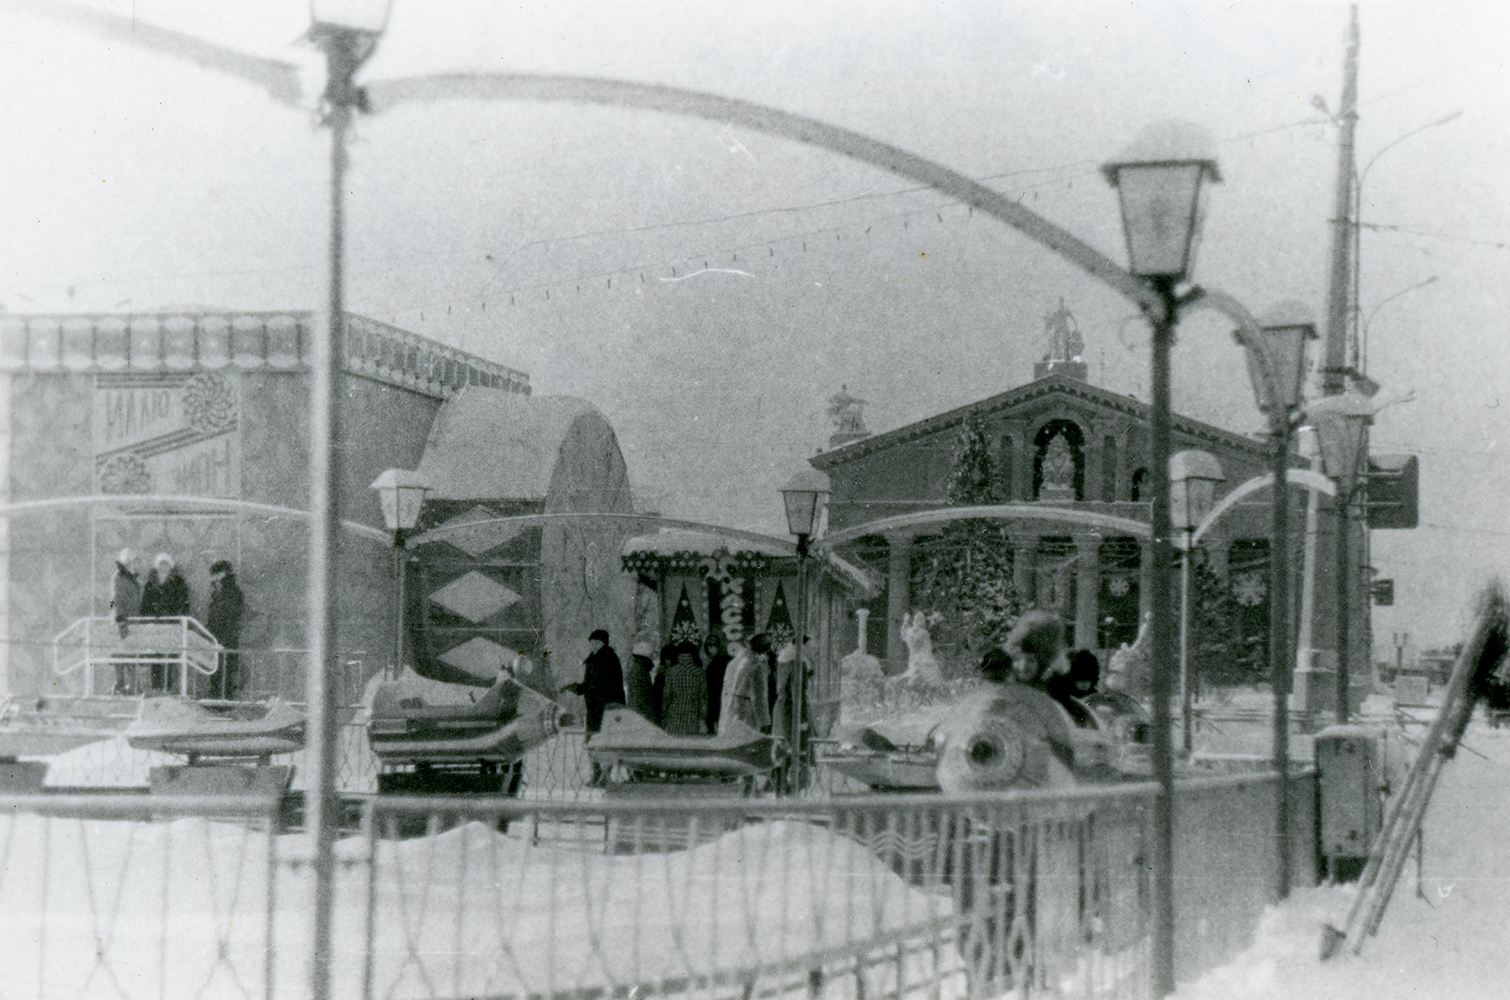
[[63, 647]]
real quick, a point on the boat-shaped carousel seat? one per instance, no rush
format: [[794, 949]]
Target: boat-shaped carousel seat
[[500, 727], [631, 741], [239, 732]]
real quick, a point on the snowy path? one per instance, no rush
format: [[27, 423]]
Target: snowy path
[[1454, 943]]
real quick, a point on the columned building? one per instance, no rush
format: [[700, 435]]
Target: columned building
[[1071, 458]]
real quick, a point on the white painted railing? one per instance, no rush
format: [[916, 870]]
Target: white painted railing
[[157, 645]]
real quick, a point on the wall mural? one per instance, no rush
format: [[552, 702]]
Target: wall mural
[[177, 434]]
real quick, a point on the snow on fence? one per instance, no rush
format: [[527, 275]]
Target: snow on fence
[[850, 898]]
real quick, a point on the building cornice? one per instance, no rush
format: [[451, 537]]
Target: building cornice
[[110, 343], [1049, 385]]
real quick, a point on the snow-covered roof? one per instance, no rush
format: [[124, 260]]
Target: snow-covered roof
[[490, 443], [670, 541], [673, 541]]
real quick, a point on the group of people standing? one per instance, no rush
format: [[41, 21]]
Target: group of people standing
[[165, 594], [690, 690]]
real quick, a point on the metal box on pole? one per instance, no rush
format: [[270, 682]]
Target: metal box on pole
[[1352, 779]]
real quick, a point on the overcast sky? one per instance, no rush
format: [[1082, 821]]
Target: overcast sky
[[563, 240]]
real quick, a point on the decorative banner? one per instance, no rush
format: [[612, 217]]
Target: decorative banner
[[167, 434]]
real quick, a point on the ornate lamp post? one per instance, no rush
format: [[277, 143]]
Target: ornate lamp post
[[1276, 366], [401, 493], [1193, 476], [803, 496], [348, 32], [1159, 180], [1342, 423]]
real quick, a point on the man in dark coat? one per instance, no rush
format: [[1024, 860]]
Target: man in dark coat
[[223, 619], [125, 602], [602, 682], [639, 684], [717, 658], [166, 595]]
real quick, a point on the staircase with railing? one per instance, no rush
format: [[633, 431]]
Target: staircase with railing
[[145, 652]]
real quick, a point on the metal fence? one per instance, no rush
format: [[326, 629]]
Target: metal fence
[[849, 897], [136, 896], [859, 897]]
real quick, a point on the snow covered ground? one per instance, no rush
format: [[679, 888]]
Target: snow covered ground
[[181, 909], [1451, 940]]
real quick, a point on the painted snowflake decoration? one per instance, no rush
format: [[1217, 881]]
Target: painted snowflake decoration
[[125, 474], [208, 404], [1118, 586], [1250, 589]]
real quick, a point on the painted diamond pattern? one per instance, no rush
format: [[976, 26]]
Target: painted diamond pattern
[[475, 597], [478, 656], [483, 538]]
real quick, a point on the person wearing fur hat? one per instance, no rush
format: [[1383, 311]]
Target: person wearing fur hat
[[602, 682], [125, 602], [1036, 645], [223, 619], [639, 684], [165, 595]]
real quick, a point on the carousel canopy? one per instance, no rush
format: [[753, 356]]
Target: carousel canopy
[[487, 443], [675, 541], [673, 548]]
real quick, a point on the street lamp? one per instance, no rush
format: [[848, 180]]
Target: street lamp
[[1193, 476], [803, 497], [1276, 366], [1159, 180], [347, 31], [1341, 424], [401, 492]]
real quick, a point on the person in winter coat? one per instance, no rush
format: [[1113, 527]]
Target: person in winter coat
[[165, 595], [684, 700], [744, 694], [602, 682], [639, 685], [125, 602], [788, 676], [223, 619], [717, 659]]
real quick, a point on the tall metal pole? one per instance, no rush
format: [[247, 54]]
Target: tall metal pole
[[1344, 592], [1161, 972], [1281, 654], [398, 572], [320, 818], [1186, 688], [798, 678], [1339, 288]]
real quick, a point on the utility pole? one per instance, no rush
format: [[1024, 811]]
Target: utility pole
[[1339, 309], [1339, 288]]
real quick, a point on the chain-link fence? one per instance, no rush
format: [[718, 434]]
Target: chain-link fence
[[849, 897], [137, 896]]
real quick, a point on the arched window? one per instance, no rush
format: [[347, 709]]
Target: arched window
[[1059, 461], [1140, 486], [1108, 469]]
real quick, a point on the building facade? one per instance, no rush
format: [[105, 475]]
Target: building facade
[[187, 433], [1070, 460]]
